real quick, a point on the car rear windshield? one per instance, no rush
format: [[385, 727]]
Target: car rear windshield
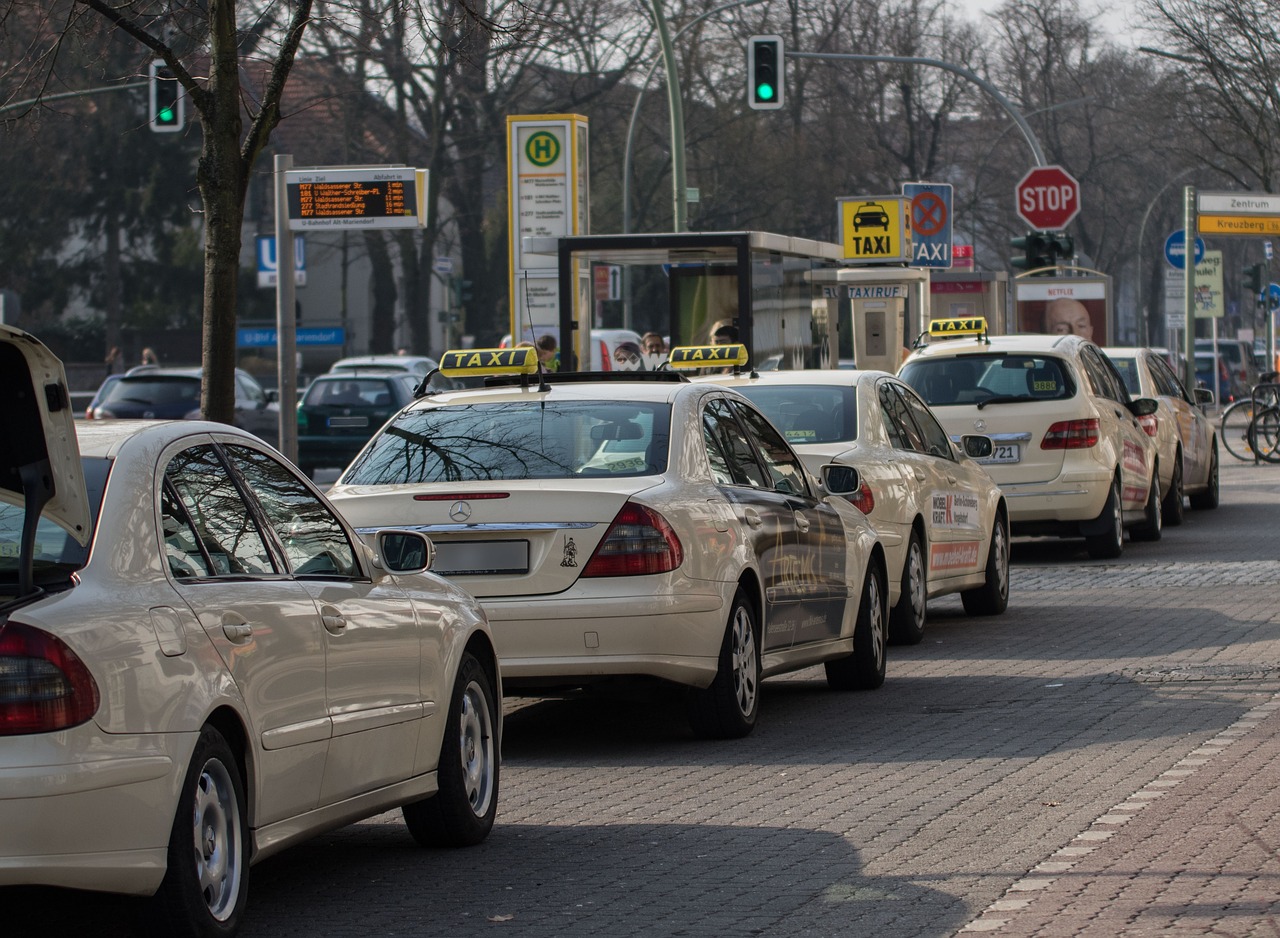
[[1128, 368], [156, 390], [517, 440], [808, 413], [981, 379], [350, 392], [57, 554]]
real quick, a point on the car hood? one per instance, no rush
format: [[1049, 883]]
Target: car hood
[[40, 433]]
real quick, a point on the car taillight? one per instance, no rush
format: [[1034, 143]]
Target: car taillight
[[44, 686], [638, 542], [863, 499], [303, 421], [1150, 423], [1071, 434]]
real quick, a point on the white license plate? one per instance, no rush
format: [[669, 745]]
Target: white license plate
[[1004, 452], [347, 422], [479, 558]]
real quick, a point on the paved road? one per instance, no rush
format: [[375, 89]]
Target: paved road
[[1096, 761]]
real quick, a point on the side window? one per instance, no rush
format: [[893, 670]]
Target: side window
[[182, 547], [740, 459], [899, 416], [890, 406], [217, 514], [785, 470], [1100, 376], [250, 391], [1166, 382], [314, 542], [935, 438]]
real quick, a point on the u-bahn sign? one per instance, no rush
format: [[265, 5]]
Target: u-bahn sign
[[1048, 198]]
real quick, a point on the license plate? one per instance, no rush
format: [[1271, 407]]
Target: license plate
[[1004, 452], [479, 558], [347, 422]]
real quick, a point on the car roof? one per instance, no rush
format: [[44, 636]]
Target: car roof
[[611, 390], [1034, 343], [828, 376]]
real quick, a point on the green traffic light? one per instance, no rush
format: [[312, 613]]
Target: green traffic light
[[165, 115], [764, 91]]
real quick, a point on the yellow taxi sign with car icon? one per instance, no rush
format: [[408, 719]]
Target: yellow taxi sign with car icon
[[953, 328], [459, 363], [875, 228], [707, 356]]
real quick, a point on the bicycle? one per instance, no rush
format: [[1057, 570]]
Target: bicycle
[[1250, 428]]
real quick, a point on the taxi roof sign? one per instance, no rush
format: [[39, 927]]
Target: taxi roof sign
[[706, 356], [459, 363], [953, 328]]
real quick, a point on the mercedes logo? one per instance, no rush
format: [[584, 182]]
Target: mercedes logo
[[460, 511], [979, 426]]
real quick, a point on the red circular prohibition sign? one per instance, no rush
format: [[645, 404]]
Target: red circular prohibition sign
[[928, 213]]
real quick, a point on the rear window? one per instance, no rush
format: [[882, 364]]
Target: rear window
[[57, 554], [517, 440], [155, 390], [1128, 368], [353, 392], [808, 413], [981, 379]]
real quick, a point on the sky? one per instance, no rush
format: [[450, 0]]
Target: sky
[[1114, 16]]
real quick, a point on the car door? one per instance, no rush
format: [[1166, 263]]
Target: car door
[[1117, 422], [1193, 425], [262, 623], [949, 500], [815, 587], [373, 638]]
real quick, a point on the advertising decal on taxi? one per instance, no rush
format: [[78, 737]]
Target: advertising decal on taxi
[[1135, 460], [955, 509], [957, 556]]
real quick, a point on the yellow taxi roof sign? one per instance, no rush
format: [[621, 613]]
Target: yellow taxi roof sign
[[951, 328], [707, 356], [459, 363]]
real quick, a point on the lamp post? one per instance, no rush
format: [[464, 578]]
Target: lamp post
[[1142, 228]]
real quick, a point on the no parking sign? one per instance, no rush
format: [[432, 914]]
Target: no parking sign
[[930, 223]]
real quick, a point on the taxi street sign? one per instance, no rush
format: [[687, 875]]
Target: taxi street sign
[[1238, 214], [930, 223], [876, 229]]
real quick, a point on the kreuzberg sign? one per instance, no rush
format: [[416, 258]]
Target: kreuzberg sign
[[1237, 214], [875, 229]]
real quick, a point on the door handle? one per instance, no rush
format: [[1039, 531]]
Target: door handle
[[920, 475], [951, 479], [802, 523], [236, 629], [334, 622], [752, 517]]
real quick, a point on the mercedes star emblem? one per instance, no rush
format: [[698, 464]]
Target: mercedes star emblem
[[460, 511]]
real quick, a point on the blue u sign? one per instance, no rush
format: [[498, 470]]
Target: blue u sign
[[1175, 249]]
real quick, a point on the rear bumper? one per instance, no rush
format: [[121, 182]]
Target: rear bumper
[[1072, 497]]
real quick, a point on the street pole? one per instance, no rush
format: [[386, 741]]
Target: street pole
[[1189, 287], [286, 313], [1142, 228], [677, 119]]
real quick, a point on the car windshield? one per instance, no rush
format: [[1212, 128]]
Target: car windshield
[[157, 390], [808, 413], [517, 440], [57, 554], [981, 379], [1128, 368]]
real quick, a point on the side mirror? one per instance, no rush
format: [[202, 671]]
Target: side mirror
[[273, 396], [1203, 396], [1143, 406], [977, 446], [838, 479], [404, 551]]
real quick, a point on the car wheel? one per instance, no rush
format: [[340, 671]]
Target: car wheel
[[864, 668], [728, 708], [1208, 499], [906, 621], [205, 887], [1109, 543], [1152, 514], [1172, 506], [992, 597], [461, 812]]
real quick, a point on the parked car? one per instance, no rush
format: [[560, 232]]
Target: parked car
[[942, 520], [1186, 439], [201, 663], [155, 393], [340, 411], [634, 525], [1070, 455], [1228, 387], [419, 365], [1237, 355]]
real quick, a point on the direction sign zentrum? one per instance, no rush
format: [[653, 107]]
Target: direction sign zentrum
[[1048, 198]]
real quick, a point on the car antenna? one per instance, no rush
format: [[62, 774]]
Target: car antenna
[[528, 312]]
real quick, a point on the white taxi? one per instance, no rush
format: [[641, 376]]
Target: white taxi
[[1070, 454], [202, 664], [1186, 439], [633, 525], [941, 518]]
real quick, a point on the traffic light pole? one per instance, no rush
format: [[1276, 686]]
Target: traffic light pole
[[61, 96], [678, 190]]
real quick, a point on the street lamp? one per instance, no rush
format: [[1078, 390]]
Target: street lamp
[[1142, 229]]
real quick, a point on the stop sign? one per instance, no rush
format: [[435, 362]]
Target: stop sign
[[1048, 198]]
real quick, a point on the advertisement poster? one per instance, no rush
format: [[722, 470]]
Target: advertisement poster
[[1065, 306]]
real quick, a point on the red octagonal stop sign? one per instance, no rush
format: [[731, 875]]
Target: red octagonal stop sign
[[1048, 198]]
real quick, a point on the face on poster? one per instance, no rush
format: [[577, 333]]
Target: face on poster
[[1058, 308]]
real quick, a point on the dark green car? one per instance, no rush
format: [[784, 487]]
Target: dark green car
[[340, 412]]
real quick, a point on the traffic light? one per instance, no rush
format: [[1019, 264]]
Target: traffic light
[[1037, 251], [1255, 278], [1062, 245], [168, 103], [764, 73]]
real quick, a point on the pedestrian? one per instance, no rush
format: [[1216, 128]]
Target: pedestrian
[[113, 356], [149, 356], [548, 352]]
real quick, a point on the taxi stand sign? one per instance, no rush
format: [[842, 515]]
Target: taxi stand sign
[[489, 361], [705, 356], [875, 229]]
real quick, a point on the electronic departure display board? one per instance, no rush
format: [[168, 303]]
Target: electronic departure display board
[[372, 197]]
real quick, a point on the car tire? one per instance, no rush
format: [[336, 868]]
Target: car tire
[[1109, 543], [1173, 513], [864, 669], [992, 597], [906, 621], [1208, 499], [1152, 525], [206, 884], [462, 811], [729, 707]]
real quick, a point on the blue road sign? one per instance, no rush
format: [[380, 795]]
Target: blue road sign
[[265, 337], [930, 223], [269, 264], [1273, 295], [1175, 249]]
